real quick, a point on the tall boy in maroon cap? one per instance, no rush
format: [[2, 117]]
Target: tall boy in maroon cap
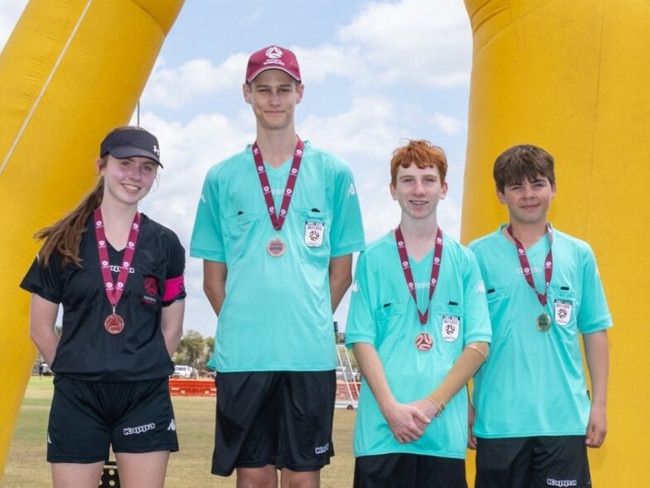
[[276, 227]]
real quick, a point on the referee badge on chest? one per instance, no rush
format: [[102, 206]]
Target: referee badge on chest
[[563, 310], [314, 233], [450, 327]]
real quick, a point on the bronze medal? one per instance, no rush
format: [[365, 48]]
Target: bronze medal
[[423, 342], [543, 322], [275, 247], [114, 324]]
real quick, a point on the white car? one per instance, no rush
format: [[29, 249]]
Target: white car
[[182, 371]]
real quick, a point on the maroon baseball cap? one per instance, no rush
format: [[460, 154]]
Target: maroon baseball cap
[[272, 57]]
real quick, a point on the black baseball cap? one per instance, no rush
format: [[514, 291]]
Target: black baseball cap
[[128, 143]]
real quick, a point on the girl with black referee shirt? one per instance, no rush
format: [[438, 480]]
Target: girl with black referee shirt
[[119, 278]]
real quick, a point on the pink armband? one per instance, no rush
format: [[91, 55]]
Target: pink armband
[[173, 288]]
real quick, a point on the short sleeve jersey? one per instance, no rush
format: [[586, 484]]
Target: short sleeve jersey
[[383, 313], [86, 350], [277, 313], [533, 383]]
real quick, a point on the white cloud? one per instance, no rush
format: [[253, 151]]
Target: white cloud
[[365, 127], [449, 125], [326, 60], [394, 35], [383, 44], [174, 88]]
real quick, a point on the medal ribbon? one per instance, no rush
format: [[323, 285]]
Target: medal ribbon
[[114, 290], [276, 220], [408, 274], [528, 271]]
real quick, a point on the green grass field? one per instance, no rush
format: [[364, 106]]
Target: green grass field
[[190, 467]]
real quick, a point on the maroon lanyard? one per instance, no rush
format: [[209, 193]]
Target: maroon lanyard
[[276, 220], [528, 272], [408, 274], [114, 290]]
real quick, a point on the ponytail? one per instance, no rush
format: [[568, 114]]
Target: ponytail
[[64, 237]]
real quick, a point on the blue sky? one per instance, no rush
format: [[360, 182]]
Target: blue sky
[[375, 73]]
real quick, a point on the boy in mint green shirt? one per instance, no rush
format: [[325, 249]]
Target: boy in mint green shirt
[[534, 414], [419, 325], [276, 227]]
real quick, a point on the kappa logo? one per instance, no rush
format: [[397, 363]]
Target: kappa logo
[[352, 190], [172, 426], [116, 269], [552, 482], [140, 429], [322, 449]]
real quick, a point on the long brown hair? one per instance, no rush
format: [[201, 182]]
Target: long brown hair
[[64, 237]]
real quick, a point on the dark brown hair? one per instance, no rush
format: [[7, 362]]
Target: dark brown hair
[[520, 163]]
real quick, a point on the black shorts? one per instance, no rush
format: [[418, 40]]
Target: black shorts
[[535, 462], [87, 418], [274, 418], [409, 471]]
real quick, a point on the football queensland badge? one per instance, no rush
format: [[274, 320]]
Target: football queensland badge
[[314, 233], [563, 310], [450, 327]]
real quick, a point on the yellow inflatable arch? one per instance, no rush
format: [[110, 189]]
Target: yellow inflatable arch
[[71, 71], [569, 76], [573, 77]]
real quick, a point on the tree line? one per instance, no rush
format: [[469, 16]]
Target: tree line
[[194, 350]]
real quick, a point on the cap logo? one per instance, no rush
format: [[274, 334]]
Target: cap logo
[[274, 52]]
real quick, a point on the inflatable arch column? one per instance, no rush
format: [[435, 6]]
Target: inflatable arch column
[[71, 71], [573, 77]]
